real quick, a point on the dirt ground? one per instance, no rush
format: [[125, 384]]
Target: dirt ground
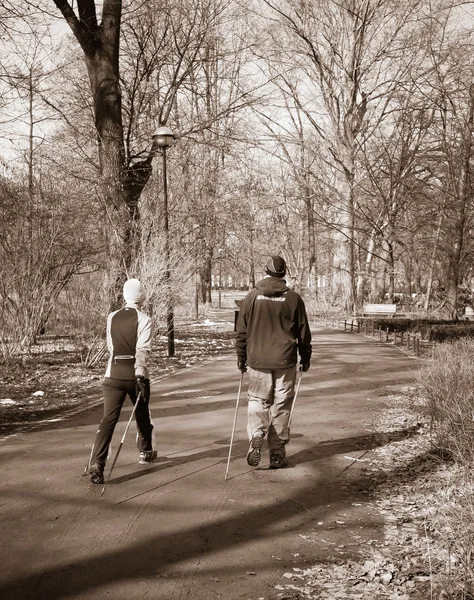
[[52, 377]]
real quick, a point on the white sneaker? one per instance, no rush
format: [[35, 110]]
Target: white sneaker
[[147, 457]]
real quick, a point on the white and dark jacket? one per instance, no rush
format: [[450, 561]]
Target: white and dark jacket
[[129, 336]]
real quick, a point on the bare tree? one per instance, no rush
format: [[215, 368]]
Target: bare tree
[[449, 82], [394, 159], [172, 56], [38, 260], [344, 52]]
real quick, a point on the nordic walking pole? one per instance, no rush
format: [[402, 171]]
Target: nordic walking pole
[[235, 420], [121, 442], [296, 394], [87, 467]]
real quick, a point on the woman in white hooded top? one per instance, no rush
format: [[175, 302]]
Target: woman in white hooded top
[[129, 336]]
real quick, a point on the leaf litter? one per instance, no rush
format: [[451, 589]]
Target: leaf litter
[[418, 495]]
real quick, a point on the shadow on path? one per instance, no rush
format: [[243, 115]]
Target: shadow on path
[[135, 559]]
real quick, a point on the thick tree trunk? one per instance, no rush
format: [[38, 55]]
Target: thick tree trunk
[[429, 283], [102, 66], [455, 255], [343, 278], [122, 184], [365, 274]]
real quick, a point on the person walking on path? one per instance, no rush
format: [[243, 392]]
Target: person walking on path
[[129, 336], [272, 329]]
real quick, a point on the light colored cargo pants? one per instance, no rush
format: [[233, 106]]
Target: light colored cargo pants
[[270, 397]]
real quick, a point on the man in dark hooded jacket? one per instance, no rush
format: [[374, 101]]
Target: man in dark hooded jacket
[[272, 329]]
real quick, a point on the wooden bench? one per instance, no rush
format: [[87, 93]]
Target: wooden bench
[[379, 310]]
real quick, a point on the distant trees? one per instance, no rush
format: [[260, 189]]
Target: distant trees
[[40, 251], [356, 104], [452, 85], [348, 57], [175, 68], [338, 134]]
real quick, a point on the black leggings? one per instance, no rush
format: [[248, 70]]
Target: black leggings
[[115, 391]]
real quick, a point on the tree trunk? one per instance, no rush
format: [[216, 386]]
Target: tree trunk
[[391, 272], [365, 275], [343, 279], [252, 281], [122, 184], [429, 284], [312, 262], [206, 280], [462, 196]]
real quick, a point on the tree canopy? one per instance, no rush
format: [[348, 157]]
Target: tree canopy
[[338, 134]]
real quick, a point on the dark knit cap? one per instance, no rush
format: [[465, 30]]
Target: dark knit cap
[[276, 267]]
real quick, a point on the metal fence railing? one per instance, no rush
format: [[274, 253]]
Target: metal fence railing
[[412, 343]]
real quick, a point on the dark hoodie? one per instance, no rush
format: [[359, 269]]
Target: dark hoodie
[[272, 327]]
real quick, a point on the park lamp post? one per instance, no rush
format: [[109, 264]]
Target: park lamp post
[[219, 258], [164, 138]]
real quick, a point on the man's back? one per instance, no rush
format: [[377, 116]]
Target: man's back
[[272, 324]]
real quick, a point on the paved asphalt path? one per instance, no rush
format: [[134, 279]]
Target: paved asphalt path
[[177, 529]]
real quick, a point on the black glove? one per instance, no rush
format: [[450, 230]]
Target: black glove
[[242, 365], [140, 385], [304, 366]]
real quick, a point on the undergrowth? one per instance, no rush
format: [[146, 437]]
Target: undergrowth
[[448, 384]]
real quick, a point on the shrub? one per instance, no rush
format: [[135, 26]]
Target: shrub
[[428, 329], [443, 333], [456, 529], [448, 381]]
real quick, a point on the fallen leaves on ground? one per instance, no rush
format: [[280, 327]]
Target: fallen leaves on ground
[[421, 499], [52, 378]]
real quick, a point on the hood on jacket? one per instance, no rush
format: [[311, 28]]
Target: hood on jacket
[[272, 286]]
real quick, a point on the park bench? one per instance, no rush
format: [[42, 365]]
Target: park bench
[[379, 310]]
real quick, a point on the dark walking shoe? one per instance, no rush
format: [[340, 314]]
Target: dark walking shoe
[[96, 474], [147, 457], [277, 461], [254, 453]]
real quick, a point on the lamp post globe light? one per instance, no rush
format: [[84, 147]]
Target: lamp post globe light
[[164, 138]]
